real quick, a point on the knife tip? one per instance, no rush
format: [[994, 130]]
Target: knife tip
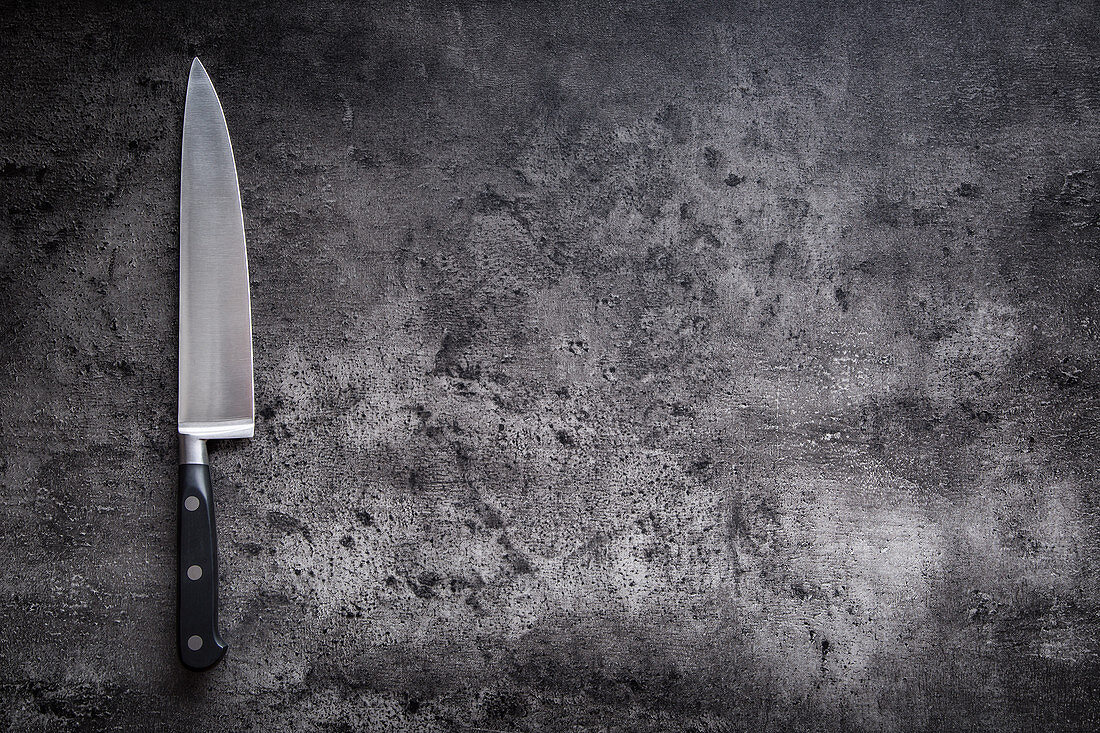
[[197, 67]]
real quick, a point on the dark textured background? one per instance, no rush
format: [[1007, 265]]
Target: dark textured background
[[619, 367]]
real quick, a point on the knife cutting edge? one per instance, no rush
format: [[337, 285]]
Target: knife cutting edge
[[215, 354]]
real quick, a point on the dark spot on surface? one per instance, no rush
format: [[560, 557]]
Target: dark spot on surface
[[841, 296], [885, 211], [779, 251], [982, 608], [503, 706], [712, 157], [681, 409], [967, 190], [78, 703], [11, 169], [425, 584], [365, 518], [123, 367], [250, 548], [421, 591], [520, 562], [981, 415], [500, 378], [53, 245], [733, 180], [565, 438], [699, 465], [676, 121], [1069, 202], [923, 217], [1024, 543], [753, 525], [412, 706], [795, 208], [489, 516], [1065, 377], [287, 524], [347, 541], [449, 359], [489, 201]]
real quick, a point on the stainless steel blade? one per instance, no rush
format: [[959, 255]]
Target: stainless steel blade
[[215, 349]]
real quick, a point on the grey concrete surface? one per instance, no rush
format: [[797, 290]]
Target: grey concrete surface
[[620, 366]]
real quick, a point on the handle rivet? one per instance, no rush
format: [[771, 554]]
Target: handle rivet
[[194, 643], [194, 572], [191, 503]]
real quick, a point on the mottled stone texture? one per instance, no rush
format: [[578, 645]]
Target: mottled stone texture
[[620, 366]]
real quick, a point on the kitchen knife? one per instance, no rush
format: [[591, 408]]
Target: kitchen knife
[[215, 354]]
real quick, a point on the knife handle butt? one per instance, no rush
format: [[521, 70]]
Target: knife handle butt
[[200, 645]]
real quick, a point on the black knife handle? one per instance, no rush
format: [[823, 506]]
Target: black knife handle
[[199, 643]]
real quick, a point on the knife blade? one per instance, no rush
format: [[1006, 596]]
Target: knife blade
[[215, 354]]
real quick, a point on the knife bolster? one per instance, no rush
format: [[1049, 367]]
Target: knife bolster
[[193, 450]]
